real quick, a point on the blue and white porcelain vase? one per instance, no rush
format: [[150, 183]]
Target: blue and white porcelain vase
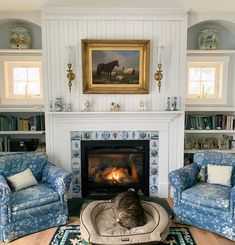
[[58, 105], [20, 38], [208, 39]]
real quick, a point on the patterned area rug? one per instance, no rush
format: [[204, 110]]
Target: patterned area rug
[[70, 235]]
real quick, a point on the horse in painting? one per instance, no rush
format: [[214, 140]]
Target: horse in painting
[[106, 68]]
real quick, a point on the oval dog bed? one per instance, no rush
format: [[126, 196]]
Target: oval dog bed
[[99, 225]]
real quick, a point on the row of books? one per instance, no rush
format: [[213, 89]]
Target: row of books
[[218, 121], [8, 144], [11, 123]]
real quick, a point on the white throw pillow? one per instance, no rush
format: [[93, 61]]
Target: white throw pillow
[[217, 174], [22, 180]]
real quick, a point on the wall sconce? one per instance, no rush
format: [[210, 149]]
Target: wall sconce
[[158, 76], [70, 73]]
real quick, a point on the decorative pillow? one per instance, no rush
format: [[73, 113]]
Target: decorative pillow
[[202, 174], [22, 180], [217, 174]]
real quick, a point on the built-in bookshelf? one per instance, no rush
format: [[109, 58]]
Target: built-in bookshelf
[[209, 129], [22, 130]]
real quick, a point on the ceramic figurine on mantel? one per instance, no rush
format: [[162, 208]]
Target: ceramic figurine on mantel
[[86, 106], [114, 107], [172, 103], [20, 38], [58, 105], [142, 106]]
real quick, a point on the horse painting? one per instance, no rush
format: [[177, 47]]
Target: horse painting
[[106, 68]]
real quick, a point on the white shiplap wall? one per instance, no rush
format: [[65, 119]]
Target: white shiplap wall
[[66, 27]]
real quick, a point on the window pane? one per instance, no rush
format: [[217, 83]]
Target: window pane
[[33, 74], [194, 88], [208, 73], [209, 88], [19, 88], [34, 88], [194, 74], [19, 74]]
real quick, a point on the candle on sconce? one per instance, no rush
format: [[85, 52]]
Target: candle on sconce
[[160, 49], [69, 52]]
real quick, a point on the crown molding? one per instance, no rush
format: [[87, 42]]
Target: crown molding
[[114, 13]]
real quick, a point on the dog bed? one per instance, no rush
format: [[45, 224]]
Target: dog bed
[[99, 225]]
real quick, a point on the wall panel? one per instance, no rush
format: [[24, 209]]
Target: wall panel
[[61, 32]]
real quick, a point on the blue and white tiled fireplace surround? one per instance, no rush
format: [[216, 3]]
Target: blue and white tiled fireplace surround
[[79, 136]]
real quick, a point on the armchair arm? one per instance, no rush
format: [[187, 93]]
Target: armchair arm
[[184, 178], [233, 202], [5, 191], [56, 178]]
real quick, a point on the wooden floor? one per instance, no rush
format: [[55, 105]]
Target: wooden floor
[[201, 237]]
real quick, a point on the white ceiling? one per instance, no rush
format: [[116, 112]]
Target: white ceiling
[[194, 5]]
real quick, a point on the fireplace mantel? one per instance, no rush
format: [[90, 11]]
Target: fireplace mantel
[[167, 123]]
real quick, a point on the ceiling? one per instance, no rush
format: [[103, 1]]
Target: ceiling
[[194, 5]]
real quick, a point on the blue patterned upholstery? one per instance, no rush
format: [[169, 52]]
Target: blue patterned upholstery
[[208, 206], [34, 208]]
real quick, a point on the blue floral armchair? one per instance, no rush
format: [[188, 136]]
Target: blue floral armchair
[[208, 206], [34, 208]]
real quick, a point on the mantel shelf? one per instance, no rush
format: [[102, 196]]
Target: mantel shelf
[[114, 113]]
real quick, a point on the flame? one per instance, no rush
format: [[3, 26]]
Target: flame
[[116, 175]]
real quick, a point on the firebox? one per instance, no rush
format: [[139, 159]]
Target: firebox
[[115, 165]]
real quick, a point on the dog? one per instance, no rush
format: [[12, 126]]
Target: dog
[[129, 212]]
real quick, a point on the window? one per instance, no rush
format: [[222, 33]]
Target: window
[[23, 80], [207, 80]]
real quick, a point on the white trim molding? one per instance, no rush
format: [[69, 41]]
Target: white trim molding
[[114, 13]]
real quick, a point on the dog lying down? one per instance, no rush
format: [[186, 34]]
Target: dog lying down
[[129, 212]]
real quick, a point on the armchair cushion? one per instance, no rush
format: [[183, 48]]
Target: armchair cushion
[[208, 195], [33, 196], [5, 191], [56, 178]]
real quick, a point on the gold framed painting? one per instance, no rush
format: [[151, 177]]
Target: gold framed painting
[[115, 66]]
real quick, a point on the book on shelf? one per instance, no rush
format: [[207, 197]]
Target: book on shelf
[[11, 123], [212, 122]]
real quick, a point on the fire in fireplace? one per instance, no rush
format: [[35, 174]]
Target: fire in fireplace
[[113, 166]]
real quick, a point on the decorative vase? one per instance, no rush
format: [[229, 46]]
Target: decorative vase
[[208, 39], [20, 38], [58, 104]]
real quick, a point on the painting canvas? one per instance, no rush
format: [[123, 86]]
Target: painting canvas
[[115, 66]]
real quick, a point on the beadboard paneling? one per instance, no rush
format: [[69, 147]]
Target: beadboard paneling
[[59, 32]]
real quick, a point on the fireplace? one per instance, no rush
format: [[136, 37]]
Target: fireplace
[[114, 166]]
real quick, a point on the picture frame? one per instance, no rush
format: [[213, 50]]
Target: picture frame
[[115, 66]]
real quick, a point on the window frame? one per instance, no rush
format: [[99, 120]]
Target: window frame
[[6, 98], [223, 80]]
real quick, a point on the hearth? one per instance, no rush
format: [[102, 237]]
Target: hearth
[[114, 166]]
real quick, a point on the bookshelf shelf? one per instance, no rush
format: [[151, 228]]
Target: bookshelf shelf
[[209, 131], [21, 132], [209, 150], [21, 51], [210, 109], [217, 51]]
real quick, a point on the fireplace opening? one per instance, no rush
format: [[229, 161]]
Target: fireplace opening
[[114, 166]]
